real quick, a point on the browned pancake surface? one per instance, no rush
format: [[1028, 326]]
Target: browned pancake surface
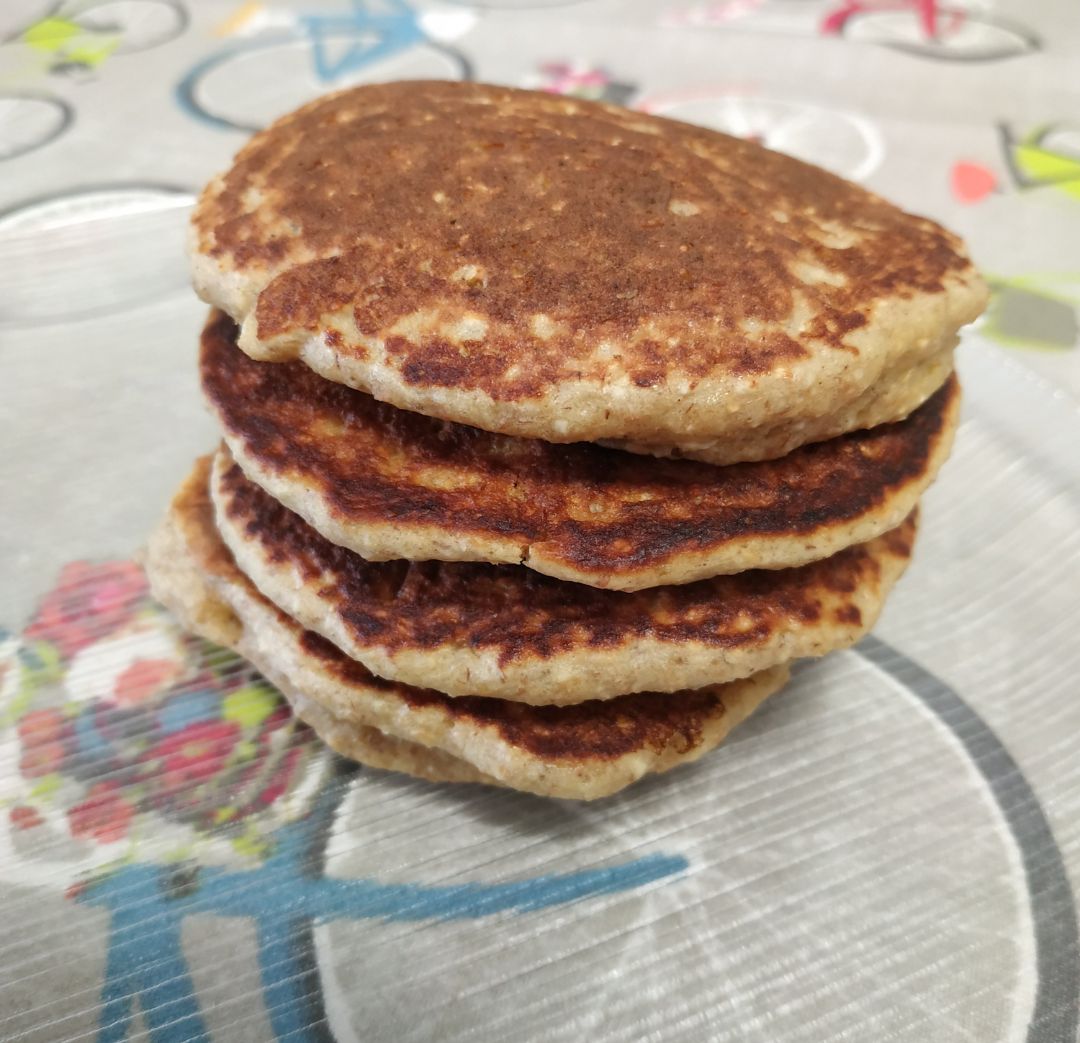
[[588, 731], [597, 728], [555, 268], [578, 511], [519, 614], [565, 211]]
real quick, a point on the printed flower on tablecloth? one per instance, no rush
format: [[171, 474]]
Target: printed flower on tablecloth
[[104, 815], [41, 733], [579, 81], [190, 759], [23, 817], [89, 602], [117, 727]]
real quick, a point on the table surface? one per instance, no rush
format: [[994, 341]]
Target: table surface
[[888, 850]]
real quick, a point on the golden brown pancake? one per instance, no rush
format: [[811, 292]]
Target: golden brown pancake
[[375, 749], [509, 632], [390, 484], [583, 751], [555, 268]]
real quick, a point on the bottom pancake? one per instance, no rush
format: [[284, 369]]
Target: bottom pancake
[[376, 749], [582, 751]]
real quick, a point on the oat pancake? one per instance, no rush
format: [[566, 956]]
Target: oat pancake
[[508, 632], [555, 268], [375, 749], [893, 397], [583, 751], [391, 484]]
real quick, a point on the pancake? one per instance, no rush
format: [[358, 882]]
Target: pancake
[[374, 749], [892, 398], [584, 751], [555, 268], [389, 484], [511, 633]]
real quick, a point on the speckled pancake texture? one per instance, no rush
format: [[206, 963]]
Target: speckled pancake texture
[[585, 751], [549, 267], [390, 484], [508, 632]]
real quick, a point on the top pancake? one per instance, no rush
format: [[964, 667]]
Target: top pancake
[[390, 484], [543, 266]]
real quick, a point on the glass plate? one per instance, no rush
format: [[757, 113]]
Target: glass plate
[[886, 850]]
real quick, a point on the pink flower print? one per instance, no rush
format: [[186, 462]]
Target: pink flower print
[[104, 815], [88, 602]]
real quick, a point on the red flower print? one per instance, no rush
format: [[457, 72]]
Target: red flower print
[[24, 817], [39, 727], [89, 602], [280, 716], [282, 778], [104, 815], [563, 78], [192, 756], [43, 759], [41, 733], [142, 679]]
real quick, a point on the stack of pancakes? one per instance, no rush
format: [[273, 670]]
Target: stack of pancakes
[[552, 431]]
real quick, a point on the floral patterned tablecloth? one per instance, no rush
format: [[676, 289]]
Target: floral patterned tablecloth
[[889, 850]]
